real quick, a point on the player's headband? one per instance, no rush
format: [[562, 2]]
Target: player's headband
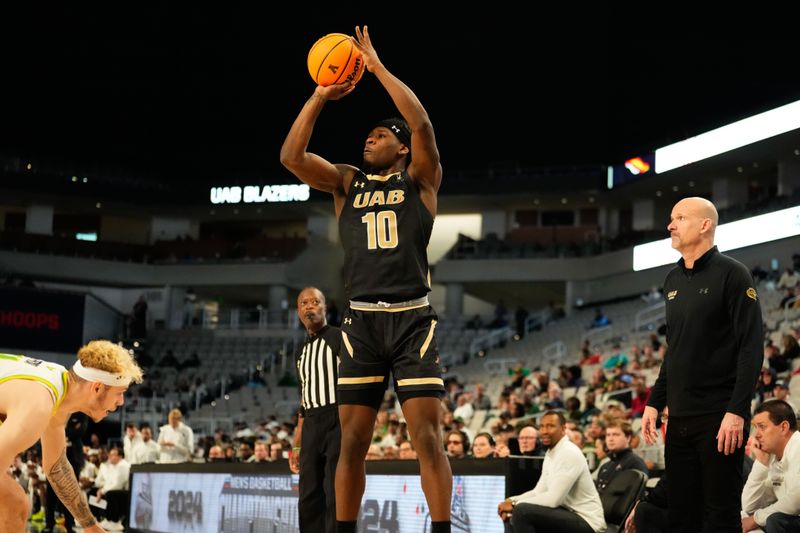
[[95, 374]]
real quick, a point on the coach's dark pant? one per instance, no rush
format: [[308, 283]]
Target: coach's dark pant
[[650, 518], [319, 454], [782, 523], [705, 486], [531, 518]]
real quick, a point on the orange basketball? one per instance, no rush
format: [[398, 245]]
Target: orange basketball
[[333, 59]]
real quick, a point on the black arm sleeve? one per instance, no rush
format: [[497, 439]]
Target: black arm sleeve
[[746, 318]]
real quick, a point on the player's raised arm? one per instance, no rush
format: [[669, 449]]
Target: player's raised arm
[[310, 168], [425, 166]]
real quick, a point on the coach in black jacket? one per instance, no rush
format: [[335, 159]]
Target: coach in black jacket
[[714, 354]]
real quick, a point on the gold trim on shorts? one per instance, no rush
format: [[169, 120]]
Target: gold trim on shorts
[[365, 379], [347, 344], [419, 381], [428, 340]]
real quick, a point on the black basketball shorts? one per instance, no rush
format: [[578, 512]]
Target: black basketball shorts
[[377, 341]]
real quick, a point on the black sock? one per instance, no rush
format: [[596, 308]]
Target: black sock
[[440, 527], [347, 527]]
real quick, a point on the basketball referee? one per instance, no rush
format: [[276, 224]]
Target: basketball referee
[[316, 440]]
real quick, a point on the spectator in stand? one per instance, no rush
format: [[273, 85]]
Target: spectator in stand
[[175, 440], [89, 471], [554, 396], [276, 451], [260, 453], [529, 442], [145, 451], [132, 438], [789, 279], [653, 296], [480, 399], [407, 451], [771, 496], [588, 357], [464, 409], [245, 452], [791, 348], [641, 393], [216, 454], [457, 444], [112, 486], [766, 382], [617, 360], [573, 409], [620, 455], [781, 392], [518, 373], [600, 319], [483, 446], [589, 409]]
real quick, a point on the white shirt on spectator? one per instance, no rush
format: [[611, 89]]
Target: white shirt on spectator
[[181, 437], [566, 482], [465, 412], [145, 452], [788, 280], [89, 471], [113, 477], [774, 488], [129, 443]]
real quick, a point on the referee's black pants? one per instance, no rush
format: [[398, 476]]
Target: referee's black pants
[[319, 454], [705, 486]]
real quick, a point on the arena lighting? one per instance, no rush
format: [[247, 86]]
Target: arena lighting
[[729, 137], [250, 194], [636, 165], [747, 232]]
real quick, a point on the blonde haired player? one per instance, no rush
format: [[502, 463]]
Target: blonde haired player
[[36, 400]]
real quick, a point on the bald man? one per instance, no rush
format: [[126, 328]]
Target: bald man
[[714, 355]]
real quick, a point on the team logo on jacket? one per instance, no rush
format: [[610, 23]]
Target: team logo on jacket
[[671, 295], [751, 293]]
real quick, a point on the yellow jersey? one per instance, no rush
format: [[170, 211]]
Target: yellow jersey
[[53, 377]]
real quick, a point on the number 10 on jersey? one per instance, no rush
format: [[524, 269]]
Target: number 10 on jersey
[[381, 229]]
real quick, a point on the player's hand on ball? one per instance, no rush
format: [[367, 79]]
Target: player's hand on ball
[[335, 92]]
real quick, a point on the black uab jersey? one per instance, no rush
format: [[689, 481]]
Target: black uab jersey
[[385, 229]]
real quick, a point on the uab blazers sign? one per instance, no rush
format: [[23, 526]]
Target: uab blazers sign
[[31, 319]]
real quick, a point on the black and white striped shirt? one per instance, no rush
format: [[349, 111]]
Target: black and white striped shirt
[[317, 368]]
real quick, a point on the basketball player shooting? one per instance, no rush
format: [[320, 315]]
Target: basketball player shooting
[[36, 400], [385, 211]]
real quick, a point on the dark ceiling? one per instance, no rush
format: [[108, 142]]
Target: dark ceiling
[[206, 92]]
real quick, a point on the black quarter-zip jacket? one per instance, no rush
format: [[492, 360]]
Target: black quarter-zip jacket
[[714, 339]]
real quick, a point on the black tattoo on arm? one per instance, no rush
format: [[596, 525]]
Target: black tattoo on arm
[[66, 487]]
